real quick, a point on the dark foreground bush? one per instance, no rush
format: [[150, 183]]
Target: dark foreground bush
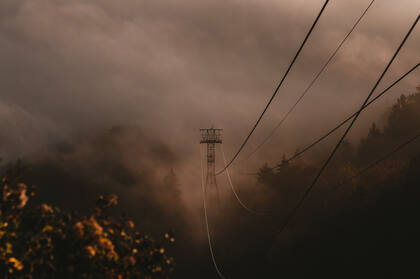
[[42, 241]]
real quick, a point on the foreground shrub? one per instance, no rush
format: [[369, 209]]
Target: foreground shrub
[[42, 241]]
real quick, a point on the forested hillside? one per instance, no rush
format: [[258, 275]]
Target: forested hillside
[[363, 227]]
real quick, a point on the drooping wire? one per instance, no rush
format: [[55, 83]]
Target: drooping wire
[[276, 90], [233, 188], [350, 117], [308, 190], [310, 146], [213, 258], [311, 83], [383, 158]]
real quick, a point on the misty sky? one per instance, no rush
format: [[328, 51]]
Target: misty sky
[[70, 67]]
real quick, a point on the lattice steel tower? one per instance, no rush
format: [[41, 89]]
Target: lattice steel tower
[[211, 137]]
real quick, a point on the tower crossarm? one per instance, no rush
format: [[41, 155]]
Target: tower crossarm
[[211, 135]]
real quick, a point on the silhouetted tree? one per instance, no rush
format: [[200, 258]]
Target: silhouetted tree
[[42, 241]]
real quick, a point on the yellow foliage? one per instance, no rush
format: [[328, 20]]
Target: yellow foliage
[[16, 263], [9, 249], [91, 251], [47, 228]]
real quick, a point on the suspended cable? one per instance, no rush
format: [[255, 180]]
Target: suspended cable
[[311, 83], [375, 163], [213, 258], [350, 117], [233, 188], [276, 90], [308, 190], [297, 154]]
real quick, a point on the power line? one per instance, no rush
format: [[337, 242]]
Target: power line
[[233, 188], [310, 146], [276, 90], [351, 116], [312, 82], [213, 258], [299, 204], [375, 163]]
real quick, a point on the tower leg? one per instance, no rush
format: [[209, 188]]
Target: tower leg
[[211, 171], [211, 137]]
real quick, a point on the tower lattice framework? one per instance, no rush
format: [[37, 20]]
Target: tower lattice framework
[[211, 137]]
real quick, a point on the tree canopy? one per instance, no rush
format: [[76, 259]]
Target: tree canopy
[[43, 241]]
